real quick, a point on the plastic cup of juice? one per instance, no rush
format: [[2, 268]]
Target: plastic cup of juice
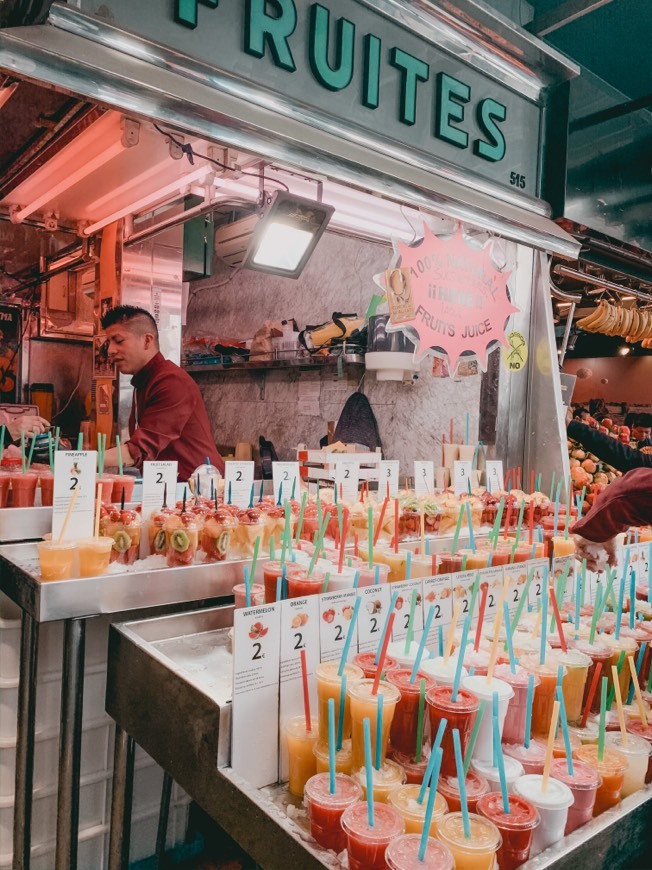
[[577, 666], [385, 779], [271, 572], [588, 734], [513, 770], [94, 556], [612, 770], [403, 733], [514, 724], [338, 581], [479, 661], [240, 593], [636, 727], [597, 652], [366, 844], [559, 746], [478, 852], [397, 563], [299, 584], [422, 566], [403, 659], [531, 758], [329, 685], [300, 743], [484, 689], [56, 559], [476, 786], [516, 827], [325, 809], [637, 753], [562, 546], [5, 480], [403, 854], [122, 482], [442, 671], [404, 800], [46, 484], [342, 758], [552, 805], [23, 488], [583, 784], [367, 661], [629, 645], [414, 770], [371, 576], [364, 705], [545, 692], [106, 495], [459, 714]]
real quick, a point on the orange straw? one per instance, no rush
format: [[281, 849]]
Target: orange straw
[[637, 690], [396, 525], [619, 703], [550, 747], [555, 607], [383, 653], [306, 696], [450, 637], [483, 605]]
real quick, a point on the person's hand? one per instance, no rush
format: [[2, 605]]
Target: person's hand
[[597, 556], [29, 424]]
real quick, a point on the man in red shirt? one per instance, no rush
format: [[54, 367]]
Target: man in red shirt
[[625, 502], [168, 419]]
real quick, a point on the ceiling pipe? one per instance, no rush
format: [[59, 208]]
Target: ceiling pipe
[[567, 272]]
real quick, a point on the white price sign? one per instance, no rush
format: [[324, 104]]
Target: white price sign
[[540, 573], [374, 603], [159, 484], [494, 578], [336, 612], [286, 480], [495, 476], [347, 478], [462, 476], [424, 477], [403, 607], [388, 478], [74, 471], [238, 482]]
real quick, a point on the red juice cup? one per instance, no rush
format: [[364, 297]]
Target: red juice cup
[[532, 758], [635, 726], [106, 496], [414, 770], [597, 652], [584, 784], [459, 714], [516, 827], [120, 482], [325, 809], [403, 854], [449, 563], [367, 661], [271, 572], [240, 594], [5, 480], [23, 489], [403, 733], [46, 483], [366, 845], [476, 786], [299, 584], [514, 724]]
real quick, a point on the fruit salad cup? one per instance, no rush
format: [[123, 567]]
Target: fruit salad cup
[[219, 528], [251, 525], [158, 544], [182, 534], [124, 527]]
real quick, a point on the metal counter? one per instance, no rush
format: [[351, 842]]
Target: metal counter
[[169, 690]]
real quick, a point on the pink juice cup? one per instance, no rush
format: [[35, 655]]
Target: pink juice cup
[[46, 483], [476, 786], [366, 845], [584, 784], [5, 480], [367, 661], [120, 482], [325, 809], [107, 488], [368, 575], [403, 854], [514, 725], [23, 489], [256, 591], [532, 758]]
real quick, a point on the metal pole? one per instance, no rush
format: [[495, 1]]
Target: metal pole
[[25, 742], [72, 698], [163, 816], [123, 779]]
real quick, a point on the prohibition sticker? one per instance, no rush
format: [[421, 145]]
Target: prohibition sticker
[[515, 356]]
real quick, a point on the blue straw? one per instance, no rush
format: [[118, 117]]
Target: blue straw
[[441, 641], [564, 730], [356, 579], [470, 522], [461, 781], [430, 806], [279, 588], [528, 710], [578, 602], [251, 496], [390, 610], [460, 659], [331, 745], [422, 643], [377, 575], [632, 598], [280, 495], [366, 729], [247, 586], [498, 753], [379, 732], [229, 499], [649, 575], [340, 716], [430, 767], [260, 493], [408, 564], [508, 633], [349, 636]]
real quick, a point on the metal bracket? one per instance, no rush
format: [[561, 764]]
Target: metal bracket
[[13, 212], [228, 157], [51, 222], [565, 297], [130, 132], [261, 379], [175, 149]]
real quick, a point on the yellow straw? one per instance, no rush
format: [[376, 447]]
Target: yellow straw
[[535, 630], [450, 637], [550, 747], [67, 519], [619, 703], [637, 689], [98, 510], [422, 521]]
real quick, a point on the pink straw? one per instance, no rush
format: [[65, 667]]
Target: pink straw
[[483, 604], [306, 696], [383, 653], [342, 545]]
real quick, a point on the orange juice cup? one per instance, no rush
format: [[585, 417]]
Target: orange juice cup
[[56, 559], [478, 852], [577, 668], [23, 488], [629, 645], [364, 705], [300, 744], [94, 556], [343, 758], [612, 769], [544, 694], [404, 800], [329, 685]]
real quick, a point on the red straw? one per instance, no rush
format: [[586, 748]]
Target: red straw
[[380, 521], [532, 481], [555, 607], [508, 518], [306, 696], [383, 654], [530, 520], [518, 477], [341, 492], [443, 441], [483, 604], [396, 525], [356, 547], [342, 545], [589, 697], [508, 479]]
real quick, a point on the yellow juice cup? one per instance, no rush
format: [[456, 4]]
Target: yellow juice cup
[[329, 685], [94, 556], [56, 559], [342, 758], [389, 777], [404, 800], [397, 564], [300, 743], [562, 546], [421, 566], [364, 705], [577, 668], [478, 852]]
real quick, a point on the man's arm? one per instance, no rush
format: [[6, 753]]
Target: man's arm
[[161, 422], [625, 502], [111, 457], [608, 449]]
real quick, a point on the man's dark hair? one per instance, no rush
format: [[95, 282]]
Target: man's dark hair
[[138, 318], [643, 420], [579, 411]]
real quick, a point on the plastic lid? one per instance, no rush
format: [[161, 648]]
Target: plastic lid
[[403, 854], [612, 764], [485, 689], [440, 696], [597, 649], [485, 836], [518, 679], [584, 776], [389, 773], [442, 670], [329, 671], [476, 784], [636, 746], [396, 649], [556, 797], [513, 769], [297, 728], [404, 798], [347, 790], [574, 658], [362, 691], [387, 822], [400, 677], [522, 814], [536, 751]]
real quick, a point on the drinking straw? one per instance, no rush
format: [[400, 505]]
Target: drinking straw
[[422, 528], [386, 627], [370, 536], [591, 694], [595, 617], [247, 583], [530, 522], [637, 689], [101, 446], [539, 481], [396, 525], [380, 520], [460, 658], [366, 730], [637, 670], [544, 625], [498, 752], [383, 654], [619, 667], [430, 806], [519, 524], [555, 607], [440, 644], [22, 452], [508, 633], [550, 747], [408, 564], [450, 637], [457, 530], [340, 519], [493, 655], [251, 504], [260, 491], [254, 558], [461, 781], [280, 494], [349, 637], [379, 733], [552, 487], [632, 598], [430, 767], [410, 632], [340, 714], [579, 589], [279, 588], [528, 711], [564, 731], [619, 703], [474, 737], [294, 488], [331, 745], [524, 598], [537, 621], [2, 442], [495, 532], [422, 706], [306, 696], [470, 522], [483, 605], [318, 544], [603, 716], [356, 579], [119, 451], [98, 510], [80, 441], [31, 451], [286, 544], [67, 517], [324, 588], [340, 563]]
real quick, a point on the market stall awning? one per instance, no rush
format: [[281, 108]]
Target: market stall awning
[[123, 76]]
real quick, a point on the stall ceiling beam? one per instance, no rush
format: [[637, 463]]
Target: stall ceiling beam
[[563, 14], [618, 111]]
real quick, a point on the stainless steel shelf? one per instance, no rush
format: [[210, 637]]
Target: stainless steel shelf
[[272, 365]]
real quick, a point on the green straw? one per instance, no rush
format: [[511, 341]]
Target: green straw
[[457, 530], [57, 435], [2, 441], [552, 487], [595, 617], [31, 451], [349, 637], [254, 559], [302, 511], [603, 715], [370, 535], [539, 482], [379, 732], [422, 705], [80, 441], [495, 532], [410, 631], [22, 452], [474, 737], [519, 524], [117, 447], [524, 597], [101, 446], [318, 544], [324, 588]]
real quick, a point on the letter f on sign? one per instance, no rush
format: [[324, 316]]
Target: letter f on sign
[[185, 11]]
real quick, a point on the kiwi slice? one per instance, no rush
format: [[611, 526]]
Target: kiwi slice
[[222, 542], [179, 540], [159, 541], [121, 541]]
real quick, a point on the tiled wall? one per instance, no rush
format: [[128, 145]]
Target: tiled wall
[[338, 277]]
